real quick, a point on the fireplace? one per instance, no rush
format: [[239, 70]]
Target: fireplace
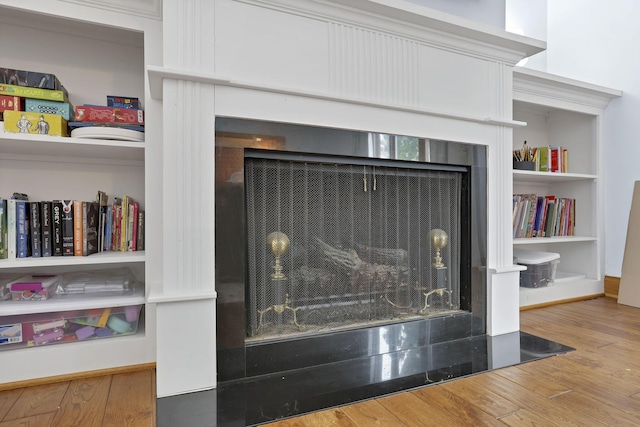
[[324, 235]]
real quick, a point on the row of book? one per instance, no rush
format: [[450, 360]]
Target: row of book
[[543, 216], [545, 159], [69, 227]]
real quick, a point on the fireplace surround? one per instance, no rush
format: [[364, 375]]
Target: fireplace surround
[[378, 230]]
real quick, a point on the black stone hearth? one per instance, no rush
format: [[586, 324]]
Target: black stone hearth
[[293, 391]]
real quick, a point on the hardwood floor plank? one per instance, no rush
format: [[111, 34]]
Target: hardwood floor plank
[[7, 400], [455, 408], [84, 403], [37, 400], [606, 414], [526, 418], [329, 418], [42, 420], [540, 384], [526, 399], [292, 422], [489, 402], [413, 411], [129, 401], [371, 413]]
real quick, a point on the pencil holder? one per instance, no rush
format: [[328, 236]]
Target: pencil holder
[[526, 166]]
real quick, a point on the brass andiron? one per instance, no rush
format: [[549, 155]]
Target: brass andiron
[[439, 240], [279, 244], [279, 309]]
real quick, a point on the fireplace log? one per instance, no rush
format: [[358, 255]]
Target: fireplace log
[[362, 273], [383, 255]]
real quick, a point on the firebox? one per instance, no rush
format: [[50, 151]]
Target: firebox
[[324, 236]]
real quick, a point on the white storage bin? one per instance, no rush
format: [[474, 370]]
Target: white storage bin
[[541, 267]]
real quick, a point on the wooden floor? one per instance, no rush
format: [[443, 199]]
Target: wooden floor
[[126, 399], [596, 385]]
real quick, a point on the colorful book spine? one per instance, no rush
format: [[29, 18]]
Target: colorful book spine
[[23, 249], [77, 227], [57, 228], [45, 219], [91, 222], [36, 230], [67, 228], [11, 229], [32, 92], [3, 229]]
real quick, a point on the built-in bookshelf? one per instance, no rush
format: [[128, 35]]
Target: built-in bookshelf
[[566, 113], [94, 54]]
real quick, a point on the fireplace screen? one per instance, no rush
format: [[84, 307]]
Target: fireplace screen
[[334, 245]]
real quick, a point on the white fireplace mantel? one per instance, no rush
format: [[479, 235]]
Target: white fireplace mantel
[[380, 65]]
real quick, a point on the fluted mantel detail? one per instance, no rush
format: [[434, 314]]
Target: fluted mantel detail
[[373, 65]]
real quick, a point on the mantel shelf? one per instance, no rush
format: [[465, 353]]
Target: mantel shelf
[[158, 74]]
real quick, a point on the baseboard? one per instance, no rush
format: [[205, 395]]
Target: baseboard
[[611, 286], [563, 301], [76, 376]]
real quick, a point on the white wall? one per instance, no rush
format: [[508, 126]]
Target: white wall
[[593, 41]]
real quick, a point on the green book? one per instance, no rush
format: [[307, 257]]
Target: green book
[[543, 155], [3, 229], [32, 92]]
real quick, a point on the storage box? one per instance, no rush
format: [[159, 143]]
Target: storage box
[[541, 267], [63, 109], [67, 326], [34, 123], [33, 287], [94, 113]]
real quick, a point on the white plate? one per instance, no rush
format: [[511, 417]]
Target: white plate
[[104, 132]]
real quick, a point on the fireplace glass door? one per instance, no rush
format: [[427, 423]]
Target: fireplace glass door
[[335, 242]]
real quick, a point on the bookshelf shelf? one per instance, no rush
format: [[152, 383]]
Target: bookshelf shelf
[[564, 113], [52, 147], [71, 302], [558, 239], [550, 177], [104, 258]]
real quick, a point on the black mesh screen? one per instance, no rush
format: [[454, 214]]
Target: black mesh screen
[[334, 245]]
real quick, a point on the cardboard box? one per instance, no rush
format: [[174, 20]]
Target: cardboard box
[[34, 123], [32, 92], [38, 329], [30, 78], [8, 102], [63, 109], [92, 113]]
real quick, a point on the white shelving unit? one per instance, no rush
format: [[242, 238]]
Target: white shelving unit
[[95, 53], [567, 113]]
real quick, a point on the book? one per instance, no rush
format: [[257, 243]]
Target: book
[[124, 221], [57, 228], [31, 92], [3, 229], [91, 216], [140, 234], [102, 199], [66, 217], [36, 230], [108, 227], [11, 229], [78, 226], [46, 236], [544, 159], [134, 226], [23, 239]]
